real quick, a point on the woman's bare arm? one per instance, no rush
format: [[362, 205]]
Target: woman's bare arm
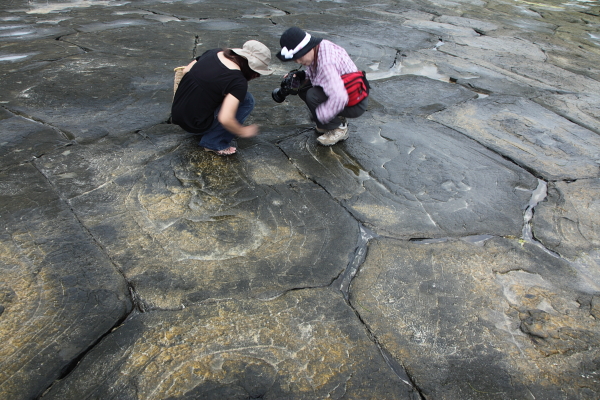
[[227, 118]]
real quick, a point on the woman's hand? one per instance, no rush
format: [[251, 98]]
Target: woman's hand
[[227, 118], [248, 131]]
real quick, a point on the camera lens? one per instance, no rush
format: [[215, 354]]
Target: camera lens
[[278, 96]]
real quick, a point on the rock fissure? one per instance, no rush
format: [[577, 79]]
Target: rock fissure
[[197, 276], [98, 244], [82, 48], [195, 48], [393, 363], [277, 8], [72, 365], [66, 134]]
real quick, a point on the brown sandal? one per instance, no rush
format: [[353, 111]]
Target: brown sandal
[[225, 152]]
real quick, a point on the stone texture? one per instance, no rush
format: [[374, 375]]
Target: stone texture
[[482, 27], [493, 321], [209, 228], [567, 221], [417, 95], [409, 177], [59, 292], [137, 266], [480, 76], [304, 345], [527, 133], [23, 140], [581, 108], [132, 101]]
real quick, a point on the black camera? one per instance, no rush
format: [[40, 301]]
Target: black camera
[[293, 83]]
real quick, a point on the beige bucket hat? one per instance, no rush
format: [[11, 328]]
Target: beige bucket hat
[[258, 56]]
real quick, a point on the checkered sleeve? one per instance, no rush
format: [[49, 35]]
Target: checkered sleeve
[[333, 86], [333, 62]]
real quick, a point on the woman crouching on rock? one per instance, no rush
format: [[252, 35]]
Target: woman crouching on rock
[[212, 98]]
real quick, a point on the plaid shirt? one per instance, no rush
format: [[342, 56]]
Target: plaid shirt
[[332, 62]]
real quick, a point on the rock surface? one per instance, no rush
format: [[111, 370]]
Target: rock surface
[[59, 293], [306, 344], [469, 321], [449, 249]]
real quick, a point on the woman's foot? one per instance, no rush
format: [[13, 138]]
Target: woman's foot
[[225, 152]]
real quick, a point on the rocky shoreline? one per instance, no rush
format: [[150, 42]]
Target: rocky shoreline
[[449, 249]]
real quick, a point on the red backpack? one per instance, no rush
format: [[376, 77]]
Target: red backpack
[[357, 87]]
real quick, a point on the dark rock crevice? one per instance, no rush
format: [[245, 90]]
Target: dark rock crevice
[[395, 365], [66, 134], [82, 48], [343, 282], [278, 8], [134, 298]]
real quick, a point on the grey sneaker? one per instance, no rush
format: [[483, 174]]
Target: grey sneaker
[[333, 136], [343, 125]]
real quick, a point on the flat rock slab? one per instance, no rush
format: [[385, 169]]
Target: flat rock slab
[[581, 108], [186, 225], [494, 49], [59, 293], [411, 178], [578, 61], [375, 32], [475, 24], [32, 54], [503, 320], [24, 139], [303, 345], [441, 29], [417, 95], [137, 97], [568, 221], [547, 74], [529, 134], [482, 77]]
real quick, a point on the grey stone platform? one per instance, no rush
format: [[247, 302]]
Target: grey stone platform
[[448, 249]]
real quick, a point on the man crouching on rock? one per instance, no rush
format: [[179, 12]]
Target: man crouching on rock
[[328, 66]]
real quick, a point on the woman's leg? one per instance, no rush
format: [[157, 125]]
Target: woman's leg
[[356, 110], [217, 137], [313, 97]]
